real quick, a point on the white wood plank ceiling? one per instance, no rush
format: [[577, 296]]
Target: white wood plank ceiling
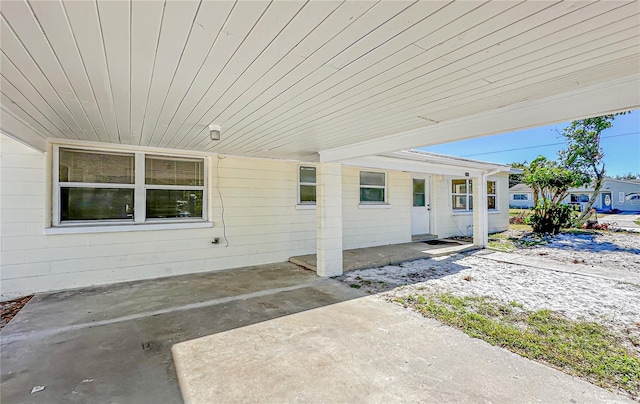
[[289, 79]]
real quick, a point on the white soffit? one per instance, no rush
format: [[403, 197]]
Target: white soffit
[[291, 79]]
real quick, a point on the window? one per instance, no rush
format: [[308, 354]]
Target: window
[[577, 198], [491, 195], [462, 195], [373, 187], [174, 187], [418, 192], [307, 185], [96, 187], [520, 197]]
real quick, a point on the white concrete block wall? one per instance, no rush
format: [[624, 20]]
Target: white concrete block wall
[[449, 224], [366, 226], [262, 226]]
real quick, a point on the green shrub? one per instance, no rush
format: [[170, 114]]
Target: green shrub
[[548, 217]]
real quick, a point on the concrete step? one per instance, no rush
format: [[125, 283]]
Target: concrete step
[[424, 237]]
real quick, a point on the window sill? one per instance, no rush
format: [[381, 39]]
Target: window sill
[[470, 212], [306, 206], [114, 228], [374, 206]]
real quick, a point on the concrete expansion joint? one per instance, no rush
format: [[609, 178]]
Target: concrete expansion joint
[[207, 303]]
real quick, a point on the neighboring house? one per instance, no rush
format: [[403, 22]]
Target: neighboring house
[[621, 195], [85, 215], [520, 196]]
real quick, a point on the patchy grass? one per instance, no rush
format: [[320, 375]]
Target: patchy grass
[[522, 227], [581, 349], [516, 212], [521, 238], [637, 222]]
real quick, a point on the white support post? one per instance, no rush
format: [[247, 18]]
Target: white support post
[[329, 219], [480, 214]]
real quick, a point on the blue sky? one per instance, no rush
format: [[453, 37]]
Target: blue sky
[[621, 145]]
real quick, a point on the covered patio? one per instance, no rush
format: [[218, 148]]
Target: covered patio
[[270, 83]]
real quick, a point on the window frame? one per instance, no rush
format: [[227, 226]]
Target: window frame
[[301, 183], [383, 187], [139, 187], [469, 195], [579, 197], [495, 196]]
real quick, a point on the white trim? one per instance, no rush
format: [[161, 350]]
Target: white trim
[[309, 206], [467, 194], [139, 186], [55, 188], [599, 99], [414, 166], [375, 206], [300, 183], [383, 187], [113, 228], [139, 208], [88, 145]]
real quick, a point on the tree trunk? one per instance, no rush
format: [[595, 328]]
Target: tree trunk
[[535, 196], [587, 209]]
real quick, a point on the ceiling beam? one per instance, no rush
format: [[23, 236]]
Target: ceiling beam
[[615, 96]]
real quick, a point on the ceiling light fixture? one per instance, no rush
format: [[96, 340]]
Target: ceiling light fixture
[[214, 132]]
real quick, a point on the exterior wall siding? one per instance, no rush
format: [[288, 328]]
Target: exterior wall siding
[[449, 224], [519, 203], [262, 225], [371, 225]]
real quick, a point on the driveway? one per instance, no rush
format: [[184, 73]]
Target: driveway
[[624, 221], [272, 333]]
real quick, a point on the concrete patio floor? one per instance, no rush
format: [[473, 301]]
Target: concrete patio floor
[[393, 254], [112, 343], [366, 351], [270, 333]]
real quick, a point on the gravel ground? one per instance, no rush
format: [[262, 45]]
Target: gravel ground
[[608, 302]]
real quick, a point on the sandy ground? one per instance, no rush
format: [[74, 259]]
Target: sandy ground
[[618, 250], [611, 303]]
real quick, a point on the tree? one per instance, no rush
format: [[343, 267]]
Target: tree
[[628, 176], [515, 179], [550, 180], [550, 183], [584, 155]]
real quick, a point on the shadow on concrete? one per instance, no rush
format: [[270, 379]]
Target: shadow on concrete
[[383, 279], [393, 254], [113, 343]]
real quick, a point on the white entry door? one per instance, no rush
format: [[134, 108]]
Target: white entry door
[[420, 205]]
